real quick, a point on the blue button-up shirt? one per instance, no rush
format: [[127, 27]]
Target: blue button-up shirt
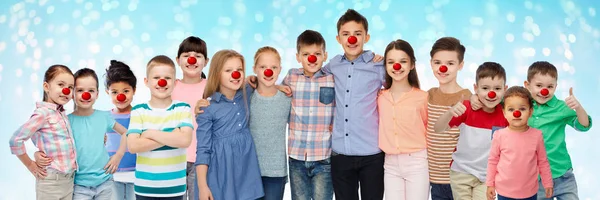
[[356, 120]]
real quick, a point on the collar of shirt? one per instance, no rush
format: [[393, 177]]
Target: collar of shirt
[[551, 103], [217, 96], [300, 71], [365, 57], [51, 106]]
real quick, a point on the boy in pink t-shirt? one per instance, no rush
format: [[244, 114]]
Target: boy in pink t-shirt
[[518, 154], [191, 57]]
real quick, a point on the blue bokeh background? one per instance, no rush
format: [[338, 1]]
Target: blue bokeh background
[[84, 33]]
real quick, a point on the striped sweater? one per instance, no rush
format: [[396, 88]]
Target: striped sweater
[[160, 172], [441, 145]]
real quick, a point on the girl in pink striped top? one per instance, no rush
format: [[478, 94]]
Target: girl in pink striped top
[[518, 154]]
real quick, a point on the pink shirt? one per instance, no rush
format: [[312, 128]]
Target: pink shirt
[[190, 93], [516, 159], [402, 122]]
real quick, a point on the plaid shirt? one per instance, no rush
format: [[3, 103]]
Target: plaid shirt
[[50, 131], [310, 119]]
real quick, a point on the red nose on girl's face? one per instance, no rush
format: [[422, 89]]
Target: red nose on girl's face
[[492, 94], [443, 69], [545, 92], [86, 96], [191, 60], [121, 97], [397, 66], [162, 82], [352, 40], [236, 75], [268, 72], [66, 91], [517, 114]]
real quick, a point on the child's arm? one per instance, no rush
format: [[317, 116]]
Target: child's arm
[[582, 116], [492, 168], [113, 164], [135, 142], [544, 166], [457, 111], [181, 137], [203, 152], [424, 114], [17, 142]]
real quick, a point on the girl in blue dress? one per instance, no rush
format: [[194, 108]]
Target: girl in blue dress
[[226, 162]]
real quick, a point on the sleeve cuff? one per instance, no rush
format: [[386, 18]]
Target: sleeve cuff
[[18, 150], [134, 131], [203, 159], [582, 128], [184, 124]]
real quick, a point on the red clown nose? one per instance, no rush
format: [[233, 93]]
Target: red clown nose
[[86, 96], [352, 40], [236, 75], [397, 66], [162, 82], [492, 94], [545, 92], [191, 60], [517, 114], [66, 91], [121, 98], [443, 69], [312, 59], [268, 73]]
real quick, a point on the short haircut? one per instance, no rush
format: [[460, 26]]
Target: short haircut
[[519, 91], [310, 37], [159, 60], [119, 72], [490, 70], [352, 15], [194, 44], [542, 68], [449, 44]]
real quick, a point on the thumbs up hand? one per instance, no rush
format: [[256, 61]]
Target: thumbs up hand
[[458, 109], [571, 101]]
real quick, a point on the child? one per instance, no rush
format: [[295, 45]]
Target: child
[[402, 126], [191, 58], [470, 158], [226, 162], [159, 132], [551, 115], [270, 110], [517, 154], [356, 156], [309, 142], [446, 60], [49, 129], [93, 179], [120, 86]]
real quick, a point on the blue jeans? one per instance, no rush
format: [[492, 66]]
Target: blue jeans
[[565, 188], [441, 192], [103, 191], [274, 187], [500, 197], [123, 191], [311, 179]]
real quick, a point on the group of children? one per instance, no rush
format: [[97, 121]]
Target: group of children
[[359, 121]]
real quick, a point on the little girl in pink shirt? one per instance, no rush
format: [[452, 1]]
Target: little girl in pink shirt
[[518, 154]]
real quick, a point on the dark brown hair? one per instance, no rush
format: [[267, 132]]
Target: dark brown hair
[[310, 37], [119, 72], [448, 44], [352, 15], [519, 91], [542, 68], [52, 72], [413, 78], [490, 70]]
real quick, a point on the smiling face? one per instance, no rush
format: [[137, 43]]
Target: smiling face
[[117, 89], [349, 29], [83, 85], [228, 83], [398, 56], [192, 69], [54, 88], [538, 83], [267, 61], [484, 86], [450, 60], [157, 73], [308, 50]]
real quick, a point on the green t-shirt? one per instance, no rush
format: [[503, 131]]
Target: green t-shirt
[[551, 118]]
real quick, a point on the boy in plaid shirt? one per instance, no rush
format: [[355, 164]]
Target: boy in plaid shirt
[[311, 116]]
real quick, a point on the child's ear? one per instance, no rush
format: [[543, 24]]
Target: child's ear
[[367, 38], [146, 82], [475, 87], [325, 56], [106, 91], [505, 87], [298, 58], [46, 87], [526, 84], [337, 37], [460, 66]]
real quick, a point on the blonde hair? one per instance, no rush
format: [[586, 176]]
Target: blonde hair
[[159, 60], [265, 49], [213, 83]]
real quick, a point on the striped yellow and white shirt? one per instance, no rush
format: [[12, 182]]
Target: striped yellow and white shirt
[[160, 172], [441, 145]]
